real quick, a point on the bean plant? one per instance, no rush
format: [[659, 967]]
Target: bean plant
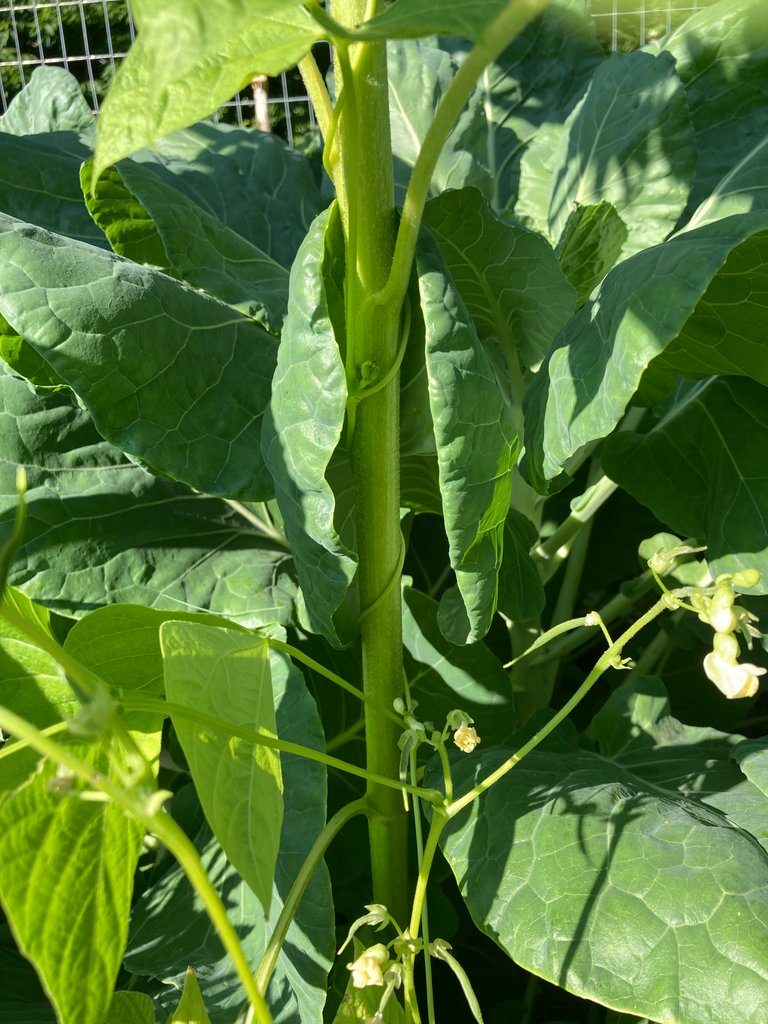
[[385, 524]]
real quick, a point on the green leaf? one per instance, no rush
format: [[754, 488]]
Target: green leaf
[[32, 684], [218, 47], [613, 875], [170, 929], [226, 674], [443, 676], [130, 1008], [591, 243], [72, 923], [628, 142], [303, 428], [533, 84], [100, 530], [409, 19], [121, 644], [475, 439], [419, 73], [508, 277], [23, 359], [191, 1008], [250, 181], [207, 253], [128, 226], [51, 101], [642, 307], [40, 184], [703, 470], [135, 346], [721, 56], [752, 757], [537, 172], [22, 999], [521, 592]]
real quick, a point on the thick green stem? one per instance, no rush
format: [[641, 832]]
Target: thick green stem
[[366, 200]]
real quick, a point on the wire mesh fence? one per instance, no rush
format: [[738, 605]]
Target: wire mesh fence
[[90, 37]]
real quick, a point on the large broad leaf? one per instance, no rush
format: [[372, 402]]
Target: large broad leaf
[[643, 306], [40, 183], [413, 18], [521, 592], [704, 471], [303, 428], [508, 277], [628, 142], [475, 440], [209, 254], [101, 530], [532, 85], [170, 929], [52, 101], [613, 874], [169, 375], [218, 47], [419, 73], [250, 181], [32, 683], [121, 644], [442, 676], [226, 674], [66, 878], [722, 59]]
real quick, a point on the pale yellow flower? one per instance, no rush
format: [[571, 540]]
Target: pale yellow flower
[[731, 678], [366, 970], [466, 738]]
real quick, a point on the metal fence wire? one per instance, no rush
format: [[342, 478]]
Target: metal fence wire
[[90, 37]]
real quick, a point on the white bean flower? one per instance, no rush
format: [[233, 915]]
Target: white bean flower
[[466, 738], [731, 678], [367, 969]]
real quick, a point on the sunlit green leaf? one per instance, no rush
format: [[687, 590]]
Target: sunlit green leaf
[[170, 928], [101, 530], [191, 1008], [226, 675], [72, 922], [613, 875], [130, 1008], [52, 101], [218, 47], [143, 352]]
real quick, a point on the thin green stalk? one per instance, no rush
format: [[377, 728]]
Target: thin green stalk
[[555, 549], [9, 749], [298, 655], [604, 662], [302, 880], [342, 738], [436, 826], [264, 527], [142, 806], [425, 908], [218, 725], [512, 20], [317, 92]]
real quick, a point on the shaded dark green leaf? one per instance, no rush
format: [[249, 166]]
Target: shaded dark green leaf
[[590, 245], [703, 470]]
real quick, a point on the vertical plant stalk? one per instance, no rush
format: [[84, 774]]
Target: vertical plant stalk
[[366, 200]]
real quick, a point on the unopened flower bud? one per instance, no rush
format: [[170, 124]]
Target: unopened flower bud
[[726, 646], [746, 578]]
